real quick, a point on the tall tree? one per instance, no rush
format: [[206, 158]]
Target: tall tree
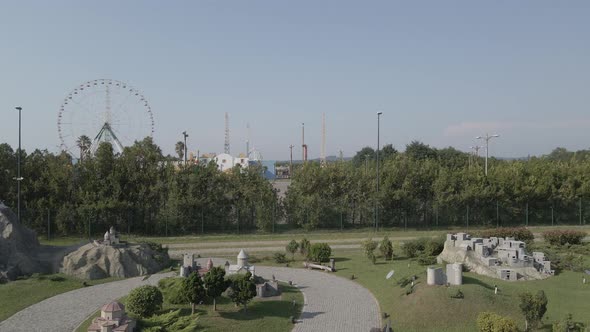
[[215, 284], [194, 290], [179, 148]]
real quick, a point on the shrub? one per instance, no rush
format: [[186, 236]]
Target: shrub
[[144, 301], [426, 260], [304, 247], [172, 290], [242, 289], [411, 248], [292, 248], [369, 247], [386, 248], [170, 321], [492, 322], [434, 246], [320, 252], [562, 237], [279, 257], [518, 233], [568, 325]]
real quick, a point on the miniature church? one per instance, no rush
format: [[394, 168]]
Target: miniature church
[[242, 265], [112, 319]]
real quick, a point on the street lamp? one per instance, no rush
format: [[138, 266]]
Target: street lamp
[[185, 136], [487, 138], [377, 197], [18, 177]]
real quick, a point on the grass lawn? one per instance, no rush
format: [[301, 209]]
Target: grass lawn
[[19, 294], [288, 235], [261, 315]]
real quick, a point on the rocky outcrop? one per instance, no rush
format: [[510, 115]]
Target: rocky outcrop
[[96, 261], [18, 247]]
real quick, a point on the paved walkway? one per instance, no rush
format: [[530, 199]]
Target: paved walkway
[[64, 312], [331, 303]]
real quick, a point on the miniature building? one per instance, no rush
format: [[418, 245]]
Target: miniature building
[[112, 319], [508, 274], [268, 289], [189, 265], [499, 257], [111, 237], [242, 265], [435, 276]]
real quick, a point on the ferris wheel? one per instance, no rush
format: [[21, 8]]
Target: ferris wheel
[[103, 110]]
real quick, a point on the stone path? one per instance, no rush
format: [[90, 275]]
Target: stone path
[[332, 303], [64, 312]]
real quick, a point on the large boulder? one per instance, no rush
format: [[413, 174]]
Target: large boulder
[[97, 261], [18, 247]]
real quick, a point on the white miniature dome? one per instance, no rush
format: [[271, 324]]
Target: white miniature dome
[[107, 236]]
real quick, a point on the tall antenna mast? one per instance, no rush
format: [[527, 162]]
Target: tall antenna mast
[[226, 146], [303, 146], [323, 152], [247, 140]]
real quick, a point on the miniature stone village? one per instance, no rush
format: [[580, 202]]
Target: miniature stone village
[[112, 319], [503, 258], [263, 289]]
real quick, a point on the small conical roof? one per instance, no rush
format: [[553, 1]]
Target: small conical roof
[[113, 306], [242, 254]]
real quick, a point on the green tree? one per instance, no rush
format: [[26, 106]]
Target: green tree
[[568, 325], [144, 301], [320, 252], [369, 247], [386, 248], [194, 289], [292, 248], [243, 289], [215, 284], [533, 307], [304, 247]]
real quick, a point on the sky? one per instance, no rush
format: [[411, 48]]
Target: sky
[[442, 72]]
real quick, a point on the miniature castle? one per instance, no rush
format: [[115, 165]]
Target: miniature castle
[[110, 238], [503, 258], [190, 265], [112, 319]]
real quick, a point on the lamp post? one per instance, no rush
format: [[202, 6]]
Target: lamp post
[[377, 196], [185, 135], [487, 138], [18, 177]]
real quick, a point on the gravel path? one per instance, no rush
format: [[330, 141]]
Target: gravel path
[[332, 303], [177, 253], [66, 311]]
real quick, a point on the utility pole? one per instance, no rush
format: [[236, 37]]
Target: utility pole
[[487, 138], [377, 196], [303, 146], [291, 160], [185, 135], [18, 177]]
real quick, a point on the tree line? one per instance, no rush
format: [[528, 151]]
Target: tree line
[[142, 191]]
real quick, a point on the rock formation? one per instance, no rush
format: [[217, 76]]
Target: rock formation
[[18, 247], [93, 261]]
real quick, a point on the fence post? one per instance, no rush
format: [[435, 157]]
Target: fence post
[[202, 223], [527, 215], [467, 220], [497, 214], [580, 211], [48, 225], [551, 215]]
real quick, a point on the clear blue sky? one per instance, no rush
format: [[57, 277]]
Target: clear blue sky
[[441, 71]]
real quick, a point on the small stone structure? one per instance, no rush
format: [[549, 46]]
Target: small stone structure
[[112, 319], [189, 265], [454, 275], [503, 258], [268, 289], [242, 265], [111, 237]]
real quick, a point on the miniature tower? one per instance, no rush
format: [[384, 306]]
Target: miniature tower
[[242, 258]]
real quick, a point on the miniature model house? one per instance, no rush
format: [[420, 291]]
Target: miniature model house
[[112, 319]]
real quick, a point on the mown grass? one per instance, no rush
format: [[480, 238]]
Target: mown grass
[[333, 234], [261, 315], [19, 294]]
